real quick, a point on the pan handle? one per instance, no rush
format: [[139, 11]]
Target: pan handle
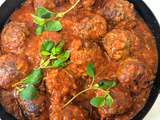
[[7, 9]]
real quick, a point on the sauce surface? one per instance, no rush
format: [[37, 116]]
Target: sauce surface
[[108, 33]]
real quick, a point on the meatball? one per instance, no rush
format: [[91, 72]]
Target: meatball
[[61, 86], [120, 43], [91, 27], [128, 24], [13, 37], [60, 79], [12, 69], [35, 109], [86, 25], [49, 4], [122, 102], [60, 3], [71, 112], [72, 42], [134, 75], [10, 104], [85, 3], [118, 10], [89, 53]]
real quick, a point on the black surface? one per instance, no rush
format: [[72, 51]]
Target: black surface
[[4, 115], [152, 23], [10, 5], [7, 9]]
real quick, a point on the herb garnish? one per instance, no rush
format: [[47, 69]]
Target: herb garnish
[[34, 78], [61, 14], [46, 20], [53, 56], [27, 87], [104, 86], [45, 24], [91, 72], [30, 92]]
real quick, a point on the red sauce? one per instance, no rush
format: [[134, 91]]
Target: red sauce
[[108, 33]]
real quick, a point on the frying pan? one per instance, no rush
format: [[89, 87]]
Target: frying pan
[[11, 5]]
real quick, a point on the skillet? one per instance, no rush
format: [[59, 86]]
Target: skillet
[[11, 5]]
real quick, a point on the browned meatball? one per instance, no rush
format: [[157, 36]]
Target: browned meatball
[[61, 86], [10, 104], [88, 3], [86, 25], [35, 109], [70, 113], [60, 79], [13, 37], [91, 27], [85, 3], [118, 10], [44, 3], [89, 53], [134, 75], [72, 42], [86, 54], [12, 69], [122, 102], [60, 3], [120, 43]]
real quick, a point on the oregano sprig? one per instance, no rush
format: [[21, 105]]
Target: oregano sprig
[[53, 56], [106, 99], [46, 20], [61, 14], [27, 87], [104, 86]]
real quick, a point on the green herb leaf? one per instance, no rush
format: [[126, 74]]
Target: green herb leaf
[[64, 56], [109, 100], [55, 26], [46, 47], [44, 13], [90, 70], [56, 51], [39, 30], [58, 64], [34, 78], [107, 84], [45, 53], [98, 101], [58, 48], [29, 93], [38, 20]]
